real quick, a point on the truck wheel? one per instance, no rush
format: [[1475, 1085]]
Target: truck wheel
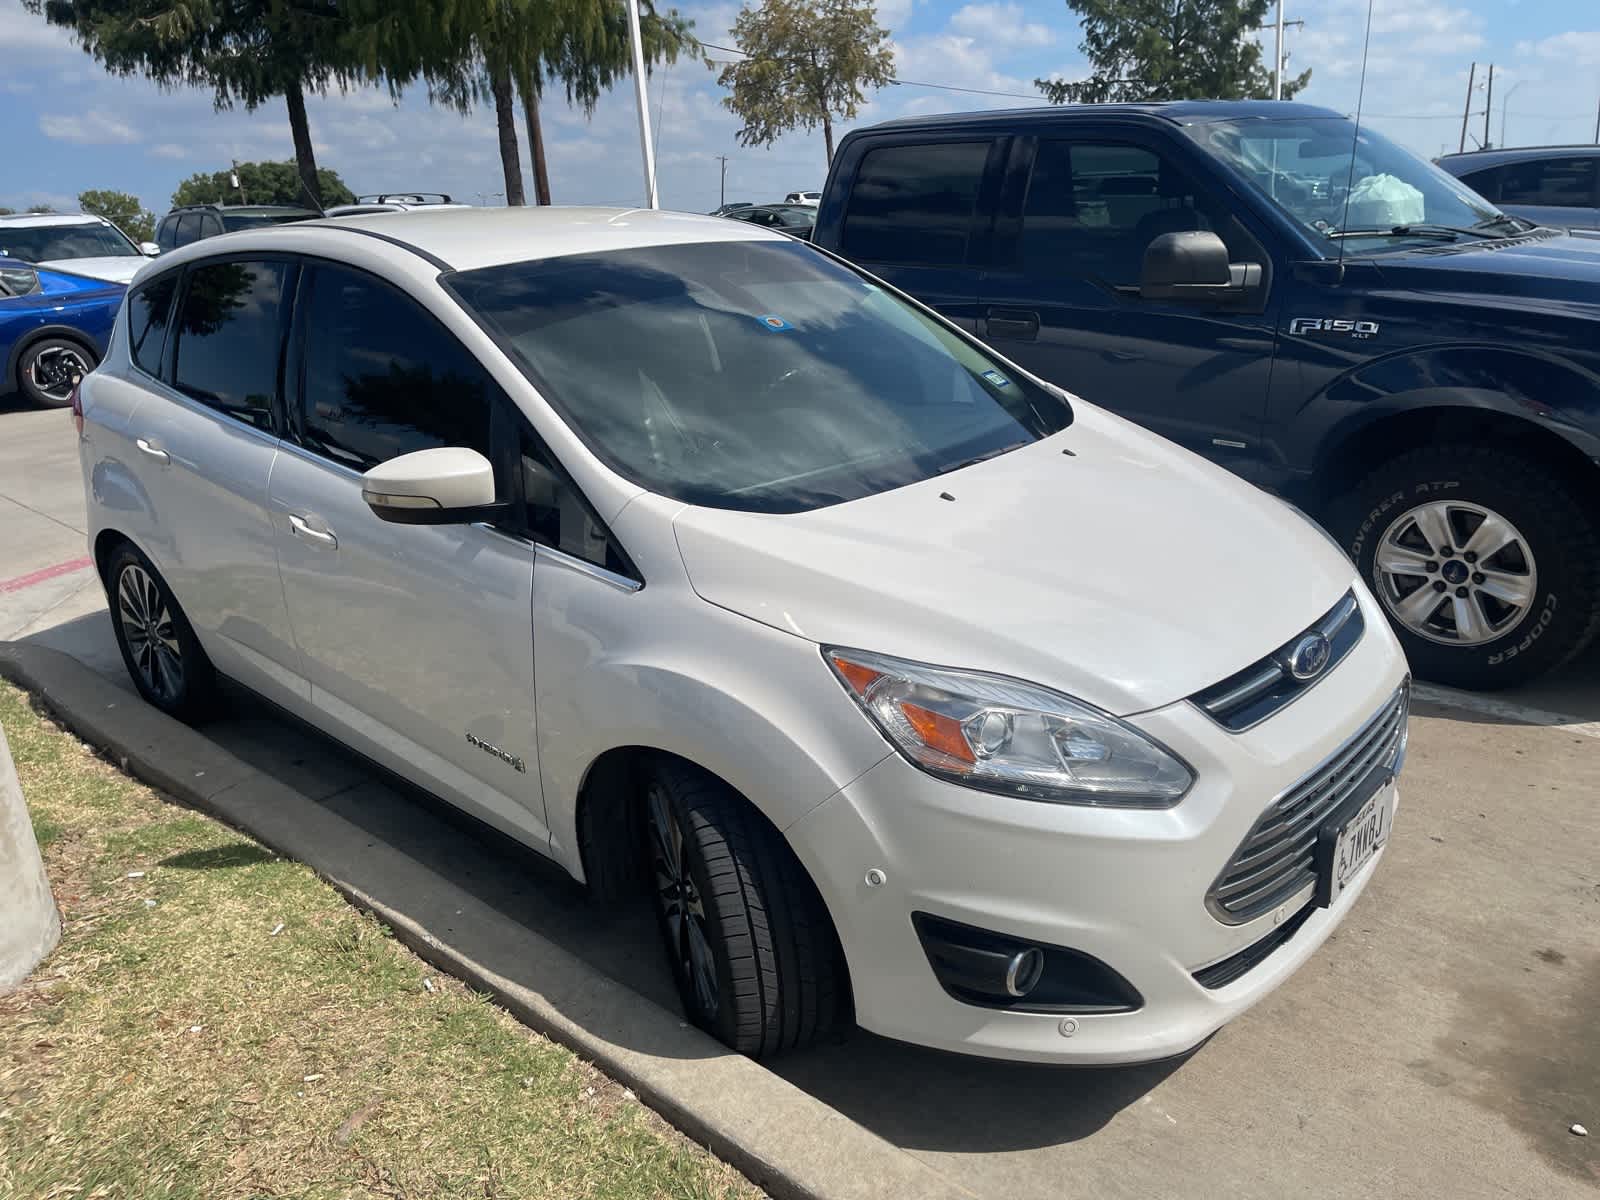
[[47, 368], [750, 945], [1485, 560]]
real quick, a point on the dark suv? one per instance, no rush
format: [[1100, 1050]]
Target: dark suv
[[191, 222], [1311, 306], [1553, 185]]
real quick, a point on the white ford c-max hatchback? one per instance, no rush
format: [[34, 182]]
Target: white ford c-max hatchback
[[911, 689]]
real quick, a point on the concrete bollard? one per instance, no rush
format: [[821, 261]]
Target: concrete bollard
[[30, 926]]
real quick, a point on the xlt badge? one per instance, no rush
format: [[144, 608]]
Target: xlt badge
[[1356, 329], [511, 760]]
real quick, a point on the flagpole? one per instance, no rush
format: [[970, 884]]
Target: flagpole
[[645, 146]]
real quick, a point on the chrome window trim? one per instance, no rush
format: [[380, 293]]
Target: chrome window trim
[[165, 391], [584, 567]]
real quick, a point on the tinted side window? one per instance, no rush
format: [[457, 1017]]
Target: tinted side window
[[1485, 183], [149, 310], [914, 204], [167, 235], [210, 225], [1094, 208], [230, 336], [383, 378], [1560, 182], [188, 228]]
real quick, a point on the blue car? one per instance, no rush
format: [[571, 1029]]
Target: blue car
[[53, 329]]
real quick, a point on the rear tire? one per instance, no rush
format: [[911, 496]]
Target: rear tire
[[46, 369], [749, 942], [158, 644], [1501, 619]]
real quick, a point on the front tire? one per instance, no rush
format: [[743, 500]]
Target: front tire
[[47, 370], [158, 644], [749, 942], [1485, 561]]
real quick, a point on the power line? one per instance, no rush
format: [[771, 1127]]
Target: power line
[[943, 87]]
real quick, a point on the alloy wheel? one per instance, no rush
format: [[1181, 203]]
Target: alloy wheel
[[150, 632], [1455, 573], [53, 370], [681, 905]]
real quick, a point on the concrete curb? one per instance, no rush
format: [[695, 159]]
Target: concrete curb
[[785, 1140]]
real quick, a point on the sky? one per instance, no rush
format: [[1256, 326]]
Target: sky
[[66, 126]]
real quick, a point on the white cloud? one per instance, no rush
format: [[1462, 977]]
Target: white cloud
[[94, 128], [1574, 49], [168, 150], [1002, 26], [24, 31]]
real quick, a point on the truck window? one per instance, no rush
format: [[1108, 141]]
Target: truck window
[[1092, 208], [914, 204], [1557, 182]]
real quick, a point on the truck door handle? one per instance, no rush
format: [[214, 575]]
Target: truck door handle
[[1016, 323], [155, 452], [319, 537]]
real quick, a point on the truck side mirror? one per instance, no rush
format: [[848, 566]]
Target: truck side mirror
[[1193, 265]]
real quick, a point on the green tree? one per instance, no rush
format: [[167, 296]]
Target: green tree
[[40, 208], [807, 62], [245, 51], [1171, 50], [260, 183], [122, 210]]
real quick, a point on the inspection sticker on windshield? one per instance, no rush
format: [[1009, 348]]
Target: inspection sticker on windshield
[[997, 379], [774, 322]]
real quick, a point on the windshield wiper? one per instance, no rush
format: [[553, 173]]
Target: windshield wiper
[[978, 458], [1516, 224], [1447, 233]]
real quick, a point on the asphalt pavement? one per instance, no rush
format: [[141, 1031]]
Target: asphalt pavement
[[1442, 1043]]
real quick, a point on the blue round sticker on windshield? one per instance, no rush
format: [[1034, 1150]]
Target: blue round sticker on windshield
[[775, 323]]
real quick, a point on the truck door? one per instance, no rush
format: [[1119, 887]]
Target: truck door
[[919, 213], [1062, 297]]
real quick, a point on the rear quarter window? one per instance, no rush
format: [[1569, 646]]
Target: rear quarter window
[[914, 204]]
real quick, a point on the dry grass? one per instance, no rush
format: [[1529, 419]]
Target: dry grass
[[176, 1046]]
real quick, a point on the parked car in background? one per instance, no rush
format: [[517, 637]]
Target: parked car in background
[[54, 326], [727, 208], [1552, 185], [392, 202], [81, 243], [636, 534], [792, 219], [1314, 307], [192, 222], [809, 199]]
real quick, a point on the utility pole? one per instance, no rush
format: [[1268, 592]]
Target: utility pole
[[239, 183], [722, 194], [646, 148], [1488, 107], [1277, 60], [1466, 110], [1597, 125]]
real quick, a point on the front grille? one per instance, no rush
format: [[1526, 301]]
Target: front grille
[[1250, 696], [1277, 859], [1237, 966]]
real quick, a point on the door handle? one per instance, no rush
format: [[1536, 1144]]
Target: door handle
[[1018, 324], [155, 452], [320, 537]]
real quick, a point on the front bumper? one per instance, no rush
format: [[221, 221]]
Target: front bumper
[[1125, 886]]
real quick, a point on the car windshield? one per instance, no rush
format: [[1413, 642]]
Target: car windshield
[[47, 243], [1343, 185], [756, 375], [236, 221]]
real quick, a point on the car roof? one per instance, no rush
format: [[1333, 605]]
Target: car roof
[[464, 239], [52, 219], [1477, 160], [1179, 112], [246, 209]]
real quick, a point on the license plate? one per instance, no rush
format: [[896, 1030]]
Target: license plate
[[1350, 847]]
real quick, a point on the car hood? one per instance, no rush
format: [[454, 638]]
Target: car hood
[[1129, 573], [117, 268], [1563, 268]]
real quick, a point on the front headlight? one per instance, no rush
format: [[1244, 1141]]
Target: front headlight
[[1006, 736]]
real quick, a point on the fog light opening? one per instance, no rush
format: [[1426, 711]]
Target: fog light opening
[[1024, 971]]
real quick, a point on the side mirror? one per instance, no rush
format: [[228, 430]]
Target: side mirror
[[1193, 265], [149, 249], [448, 485]]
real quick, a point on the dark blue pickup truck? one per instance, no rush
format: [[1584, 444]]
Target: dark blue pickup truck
[[1303, 302]]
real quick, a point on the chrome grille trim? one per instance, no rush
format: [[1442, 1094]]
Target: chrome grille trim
[[1277, 859], [1248, 697]]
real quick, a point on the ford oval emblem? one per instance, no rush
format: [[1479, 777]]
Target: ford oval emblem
[[1309, 656]]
